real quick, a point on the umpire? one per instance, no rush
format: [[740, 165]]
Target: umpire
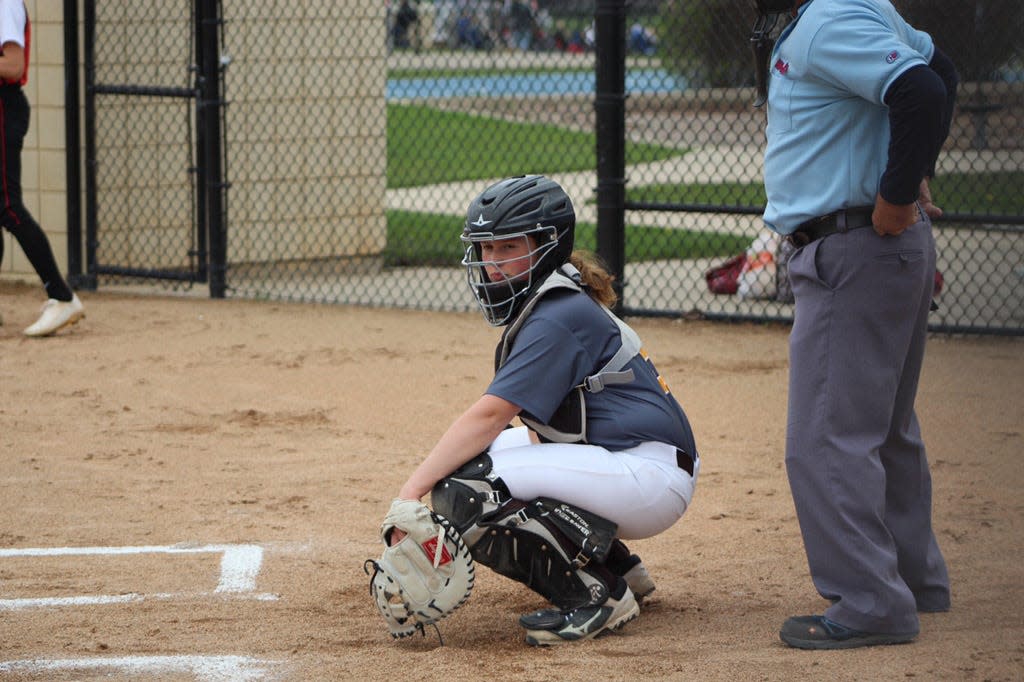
[[859, 105]]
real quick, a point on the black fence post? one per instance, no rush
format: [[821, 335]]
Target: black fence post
[[89, 49], [209, 121], [610, 105], [73, 149]]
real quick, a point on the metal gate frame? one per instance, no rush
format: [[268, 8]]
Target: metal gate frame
[[208, 256]]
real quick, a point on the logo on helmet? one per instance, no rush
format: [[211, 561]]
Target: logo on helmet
[[480, 222]]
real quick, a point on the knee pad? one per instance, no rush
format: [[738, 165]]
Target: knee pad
[[469, 494], [553, 548]]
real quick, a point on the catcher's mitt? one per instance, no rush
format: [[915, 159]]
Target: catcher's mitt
[[425, 576]]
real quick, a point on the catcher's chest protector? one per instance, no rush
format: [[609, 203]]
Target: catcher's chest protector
[[569, 422]]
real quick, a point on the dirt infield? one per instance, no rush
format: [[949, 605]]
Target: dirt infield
[[190, 488]]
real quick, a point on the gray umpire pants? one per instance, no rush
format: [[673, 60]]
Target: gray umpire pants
[[854, 454]]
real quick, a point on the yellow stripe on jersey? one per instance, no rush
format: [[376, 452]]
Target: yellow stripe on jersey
[[661, 381]]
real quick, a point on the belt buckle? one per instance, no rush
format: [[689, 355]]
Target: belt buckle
[[798, 239]]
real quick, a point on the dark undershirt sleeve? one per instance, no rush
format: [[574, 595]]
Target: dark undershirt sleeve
[[943, 65], [920, 111]]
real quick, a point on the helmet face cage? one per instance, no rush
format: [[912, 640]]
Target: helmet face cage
[[499, 295], [529, 207]]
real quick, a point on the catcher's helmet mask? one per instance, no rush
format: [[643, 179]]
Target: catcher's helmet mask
[[530, 207]]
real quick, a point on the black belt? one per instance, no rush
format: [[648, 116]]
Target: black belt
[[684, 461], [841, 221]]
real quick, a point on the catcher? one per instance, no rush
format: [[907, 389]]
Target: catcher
[[606, 454]]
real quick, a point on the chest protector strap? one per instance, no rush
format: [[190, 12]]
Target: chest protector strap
[[569, 422]]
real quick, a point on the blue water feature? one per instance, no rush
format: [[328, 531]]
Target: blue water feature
[[649, 81]]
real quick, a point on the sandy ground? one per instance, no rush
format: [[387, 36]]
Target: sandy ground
[[189, 430]]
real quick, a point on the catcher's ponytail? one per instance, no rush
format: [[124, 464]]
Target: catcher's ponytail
[[595, 276]]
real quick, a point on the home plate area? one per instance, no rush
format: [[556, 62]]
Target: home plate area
[[74, 577]]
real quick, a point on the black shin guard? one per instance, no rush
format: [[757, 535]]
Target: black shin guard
[[529, 542], [553, 548]]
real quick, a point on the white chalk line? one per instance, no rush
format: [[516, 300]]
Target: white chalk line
[[239, 567], [205, 668], [132, 597]]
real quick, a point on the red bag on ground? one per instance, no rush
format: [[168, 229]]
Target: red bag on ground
[[724, 278]]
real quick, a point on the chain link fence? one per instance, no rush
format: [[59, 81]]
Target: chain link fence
[[356, 133], [713, 185]]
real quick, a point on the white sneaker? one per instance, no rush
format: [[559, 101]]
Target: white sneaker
[[549, 626], [56, 315]]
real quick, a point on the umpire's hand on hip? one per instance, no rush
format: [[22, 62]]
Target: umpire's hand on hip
[[893, 219]]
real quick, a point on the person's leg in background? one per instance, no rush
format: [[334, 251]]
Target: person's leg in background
[[62, 307]]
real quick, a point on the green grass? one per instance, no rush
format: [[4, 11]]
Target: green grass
[[995, 193], [423, 239], [427, 146], [724, 193], [427, 239]]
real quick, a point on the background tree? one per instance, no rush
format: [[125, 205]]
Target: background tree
[[981, 36], [708, 41]]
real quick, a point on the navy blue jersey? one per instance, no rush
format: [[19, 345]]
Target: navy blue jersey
[[568, 337]]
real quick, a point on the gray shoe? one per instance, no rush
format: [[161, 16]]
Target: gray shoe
[[639, 580], [818, 632], [550, 627]]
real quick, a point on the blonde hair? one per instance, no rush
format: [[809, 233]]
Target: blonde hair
[[596, 278]]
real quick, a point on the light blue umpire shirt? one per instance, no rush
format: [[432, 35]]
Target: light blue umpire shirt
[[828, 128]]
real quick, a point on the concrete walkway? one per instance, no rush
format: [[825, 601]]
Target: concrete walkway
[[703, 165], [995, 300]]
